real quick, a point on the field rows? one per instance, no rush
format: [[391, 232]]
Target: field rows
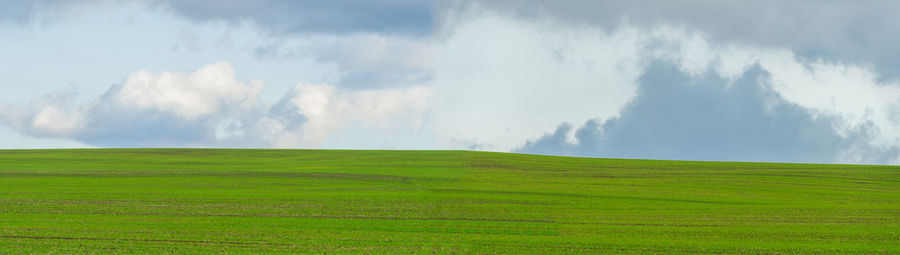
[[250, 201]]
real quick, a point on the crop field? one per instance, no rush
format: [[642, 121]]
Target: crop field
[[105, 201]]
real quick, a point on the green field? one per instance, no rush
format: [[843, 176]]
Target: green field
[[325, 201]]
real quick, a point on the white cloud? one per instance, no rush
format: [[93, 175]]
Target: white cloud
[[856, 32], [146, 109], [211, 90], [209, 107], [849, 92], [327, 108], [501, 79], [48, 116]]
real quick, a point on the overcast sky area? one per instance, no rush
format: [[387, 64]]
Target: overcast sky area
[[776, 81]]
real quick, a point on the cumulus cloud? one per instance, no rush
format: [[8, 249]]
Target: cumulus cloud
[[524, 76], [146, 109], [677, 116], [718, 80], [211, 89], [499, 81], [49, 116], [325, 108], [853, 95], [209, 107]]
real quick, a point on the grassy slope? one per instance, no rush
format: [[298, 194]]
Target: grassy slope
[[181, 201]]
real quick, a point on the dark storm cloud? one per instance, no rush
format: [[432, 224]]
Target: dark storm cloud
[[676, 116], [861, 32]]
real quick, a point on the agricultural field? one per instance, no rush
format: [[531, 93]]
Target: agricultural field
[[330, 201]]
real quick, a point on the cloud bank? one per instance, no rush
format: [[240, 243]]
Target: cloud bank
[[676, 116], [209, 107], [525, 76], [862, 33], [729, 80]]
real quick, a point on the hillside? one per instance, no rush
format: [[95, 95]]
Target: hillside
[[251, 201]]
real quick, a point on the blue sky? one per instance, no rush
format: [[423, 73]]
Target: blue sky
[[797, 81]]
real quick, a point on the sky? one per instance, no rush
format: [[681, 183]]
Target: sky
[[774, 81]]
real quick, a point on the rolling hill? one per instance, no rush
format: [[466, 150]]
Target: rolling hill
[[333, 201]]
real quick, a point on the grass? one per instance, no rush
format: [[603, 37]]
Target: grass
[[327, 201]]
